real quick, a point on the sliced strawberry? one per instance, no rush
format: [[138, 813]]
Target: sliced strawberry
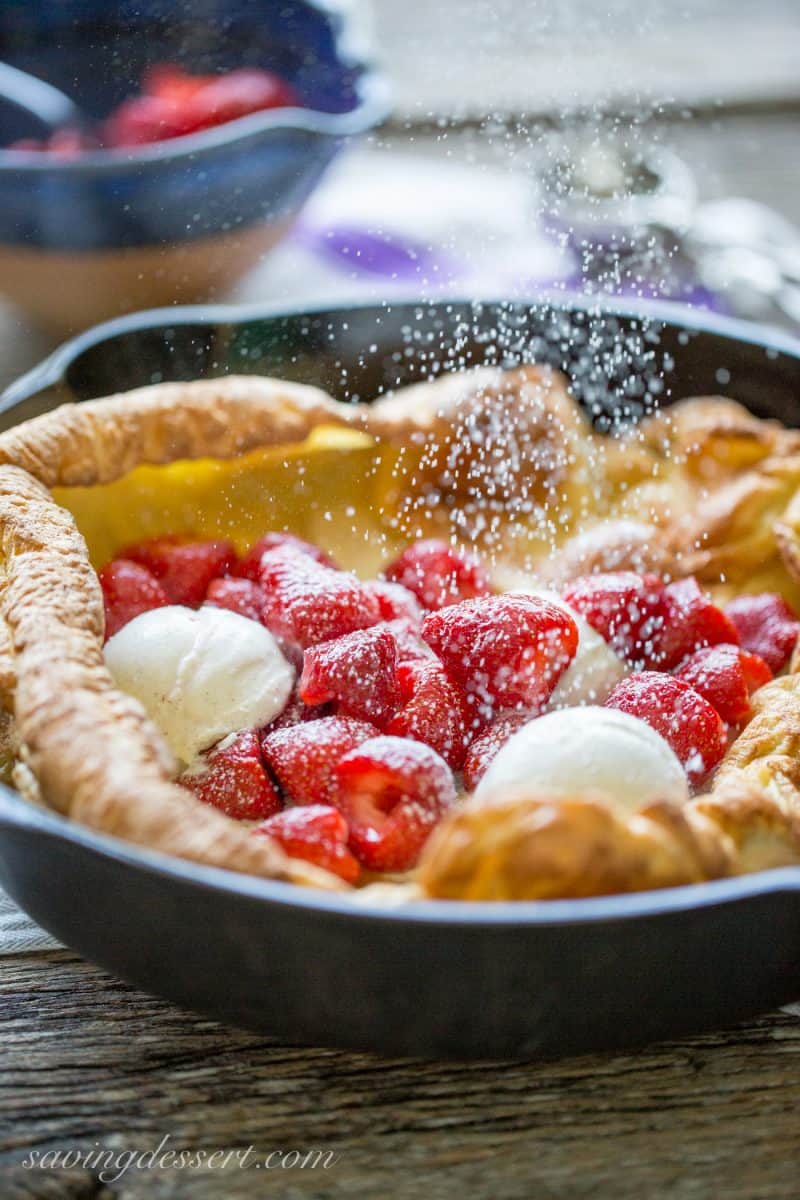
[[392, 791], [249, 567], [316, 833], [410, 646], [307, 602], [297, 712], [128, 591], [233, 779], [506, 651], [726, 675], [682, 716], [767, 626], [626, 609], [437, 574], [396, 602], [358, 672], [691, 620], [241, 596], [302, 757], [488, 744], [436, 711], [184, 569]]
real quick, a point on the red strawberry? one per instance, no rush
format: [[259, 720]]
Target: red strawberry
[[626, 609], [395, 601], [680, 714], [767, 626], [392, 791], [437, 574], [234, 780], [489, 743], [436, 711], [726, 676], [691, 620], [184, 569], [295, 713], [239, 595], [317, 833], [128, 591], [307, 602], [303, 757], [357, 671], [249, 567], [506, 651], [410, 646]]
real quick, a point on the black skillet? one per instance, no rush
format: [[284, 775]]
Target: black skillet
[[461, 980]]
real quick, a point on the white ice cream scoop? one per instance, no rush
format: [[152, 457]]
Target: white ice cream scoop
[[578, 750], [200, 675]]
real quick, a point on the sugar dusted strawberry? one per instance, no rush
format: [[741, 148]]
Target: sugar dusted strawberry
[[307, 602], [691, 726], [626, 609], [241, 596], [410, 646], [395, 601], [505, 651], [184, 568], [392, 791], [489, 743], [128, 591], [358, 672], [726, 676], [249, 566], [436, 711], [302, 757], [232, 778], [767, 626], [437, 574], [316, 833], [691, 620], [296, 712]]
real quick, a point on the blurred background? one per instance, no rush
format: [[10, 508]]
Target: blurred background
[[641, 148]]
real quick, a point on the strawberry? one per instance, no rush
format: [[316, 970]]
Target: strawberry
[[184, 569], [410, 646], [506, 651], [484, 748], [683, 717], [233, 779], [307, 602], [317, 833], [302, 757], [396, 602], [726, 676], [239, 595], [357, 671], [691, 620], [295, 713], [436, 711], [438, 575], [392, 791], [128, 591], [767, 626], [626, 609], [249, 567]]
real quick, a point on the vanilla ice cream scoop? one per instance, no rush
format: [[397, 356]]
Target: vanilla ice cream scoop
[[594, 671], [578, 750], [200, 675]]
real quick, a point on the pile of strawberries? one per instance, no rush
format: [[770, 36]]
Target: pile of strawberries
[[410, 680]]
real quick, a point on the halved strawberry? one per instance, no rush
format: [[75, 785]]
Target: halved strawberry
[[626, 609], [436, 711], [241, 596], [437, 574], [505, 651], [307, 602], [767, 626], [407, 637], [691, 620], [489, 743], [727, 676], [184, 568], [128, 591], [395, 601], [358, 672], [392, 791], [249, 567], [303, 757], [233, 779], [684, 718], [316, 833]]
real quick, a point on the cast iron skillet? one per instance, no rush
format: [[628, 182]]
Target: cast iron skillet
[[462, 980]]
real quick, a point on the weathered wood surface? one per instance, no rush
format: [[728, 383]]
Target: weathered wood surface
[[86, 1061]]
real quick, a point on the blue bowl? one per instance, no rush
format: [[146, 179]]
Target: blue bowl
[[116, 230]]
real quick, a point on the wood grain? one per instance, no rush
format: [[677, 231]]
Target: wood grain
[[86, 1060]]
